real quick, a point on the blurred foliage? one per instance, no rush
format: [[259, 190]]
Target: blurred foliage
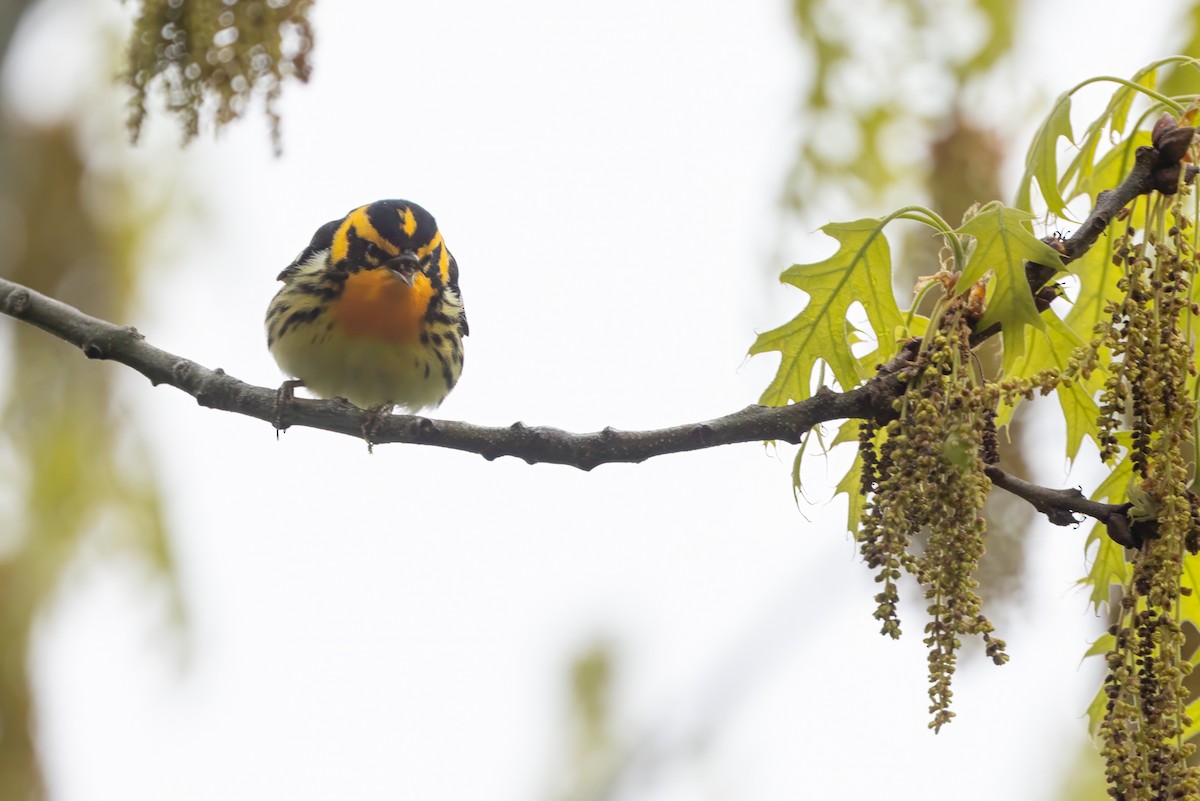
[[1084, 777], [1179, 82], [890, 88], [76, 220], [593, 762], [217, 55]]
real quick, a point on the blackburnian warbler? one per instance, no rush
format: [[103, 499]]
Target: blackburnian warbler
[[370, 311]]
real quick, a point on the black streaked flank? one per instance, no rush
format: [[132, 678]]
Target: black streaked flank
[[293, 319]]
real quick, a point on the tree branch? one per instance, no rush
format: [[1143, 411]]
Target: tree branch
[[1155, 169], [1061, 505], [99, 339]]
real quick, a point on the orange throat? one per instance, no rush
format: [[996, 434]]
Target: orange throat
[[375, 304]]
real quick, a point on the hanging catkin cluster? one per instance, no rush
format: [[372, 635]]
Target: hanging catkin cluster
[[925, 470], [1149, 335], [217, 55]]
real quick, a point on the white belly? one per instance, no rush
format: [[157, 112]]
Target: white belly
[[366, 372]]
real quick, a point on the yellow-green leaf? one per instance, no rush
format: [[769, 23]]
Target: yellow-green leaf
[[1192, 710], [1098, 278], [1109, 566], [1103, 644], [860, 270], [797, 479], [1041, 162], [1097, 708], [851, 485], [1189, 604], [1081, 168], [1122, 98], [847, 432], [1112, 167], [1078, 401], [1002, 246]]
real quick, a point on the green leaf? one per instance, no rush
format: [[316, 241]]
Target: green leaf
[[1002, 246], [847, 432], [861, 270], [1000, 17], [1103, 644], [1098, 278], [1112, 167], [1192, 710], [1098, 706], [1041, 162], [797, 480], [851, 485], [1097, 274], [1182, 79], [1109, 566], [1122, 100], [1189, 604], [1078, 401]]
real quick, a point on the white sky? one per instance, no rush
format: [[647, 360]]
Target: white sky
[[398, 626]]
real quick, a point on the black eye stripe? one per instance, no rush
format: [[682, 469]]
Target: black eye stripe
[[357, 247]]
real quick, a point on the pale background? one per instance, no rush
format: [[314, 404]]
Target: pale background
[[399, 625]]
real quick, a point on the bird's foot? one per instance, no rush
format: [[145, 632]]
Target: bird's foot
[[375, 417], [284, 397]]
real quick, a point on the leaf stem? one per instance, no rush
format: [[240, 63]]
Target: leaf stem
[[1169, 102], [933, 220]]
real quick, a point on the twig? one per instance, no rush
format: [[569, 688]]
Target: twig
[[1155, 168], [1061, 505], [99, 339]]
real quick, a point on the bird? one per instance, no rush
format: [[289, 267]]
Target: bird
[[370, 311]]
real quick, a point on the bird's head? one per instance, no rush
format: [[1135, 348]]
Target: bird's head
[[393, 235]]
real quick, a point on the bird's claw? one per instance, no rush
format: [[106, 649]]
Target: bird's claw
[[375, 418], [283, 397]]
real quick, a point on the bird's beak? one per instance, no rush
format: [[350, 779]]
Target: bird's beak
[[405, 266]]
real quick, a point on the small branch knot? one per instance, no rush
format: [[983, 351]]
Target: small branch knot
[[18, 303], [182, 372]]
